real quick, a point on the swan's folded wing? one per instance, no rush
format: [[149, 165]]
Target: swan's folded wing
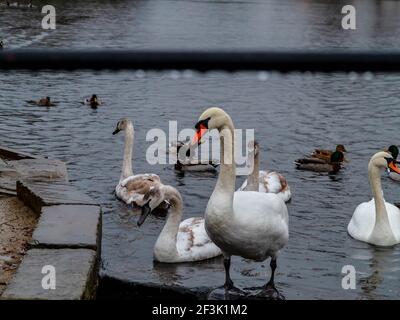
[[133, 181], [394, 219], [362, 222], [193, 241], [274, 182]]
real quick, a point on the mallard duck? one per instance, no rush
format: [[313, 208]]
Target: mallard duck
[[326, 154], [93, 101], [44, 102], [320, 165], [193, 164], [394, 151]]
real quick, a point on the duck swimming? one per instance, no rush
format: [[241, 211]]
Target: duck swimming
[[185, 241], [264, 181], [377, 222], [326, 154], [192, 164], [44, 102], [394, 151], [320, 165], [93, 101], [250, 224], [132, 187]]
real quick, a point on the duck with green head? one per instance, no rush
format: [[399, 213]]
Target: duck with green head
[[319, 165], [326, 154], [394, 151]]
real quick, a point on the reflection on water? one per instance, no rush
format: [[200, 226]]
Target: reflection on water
[[380, 263], [291, 115]]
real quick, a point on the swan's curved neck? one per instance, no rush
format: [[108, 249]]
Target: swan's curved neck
[[227, 175], [167, 240], [253, 179], [382, 224], [128, 152]]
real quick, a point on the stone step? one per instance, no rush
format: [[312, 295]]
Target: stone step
[[75, 275], [39, 194], [68, 226], [10, 154]]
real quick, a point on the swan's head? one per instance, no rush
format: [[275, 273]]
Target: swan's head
[[153, 199], [394, 151], [212, 118], [384, 160], [156, 196], [122, 124], [341, 148]]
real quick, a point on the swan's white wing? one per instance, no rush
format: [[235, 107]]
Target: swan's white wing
[[394, 219], [362, 222], [259, 226], [140, 177], [193, 243], [272, 182], [133, 188]]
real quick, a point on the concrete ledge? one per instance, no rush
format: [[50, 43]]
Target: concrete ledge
[[112, 288], [68, 234], [10, 154], [74, 269], [68, 226], [39, 194], [18, 166]]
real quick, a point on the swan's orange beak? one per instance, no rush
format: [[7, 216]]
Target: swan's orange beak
[[199, 134], [393, 167]]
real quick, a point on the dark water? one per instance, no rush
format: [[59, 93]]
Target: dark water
[[291, 114]]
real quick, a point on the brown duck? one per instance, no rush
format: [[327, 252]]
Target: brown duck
[[326, 154]]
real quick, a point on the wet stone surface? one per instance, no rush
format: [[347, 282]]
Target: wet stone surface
[[68, 226], [39, 194], [74, 274], [37, 169], [40, 169]]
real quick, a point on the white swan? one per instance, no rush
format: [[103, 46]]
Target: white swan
[[131, 188], [178, 241], [377, 221], [253, 225], [264, 181]]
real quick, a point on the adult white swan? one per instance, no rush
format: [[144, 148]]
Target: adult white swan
[[250, 224], [131, 188], [377, 221], [178, 241], [264, 181]]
